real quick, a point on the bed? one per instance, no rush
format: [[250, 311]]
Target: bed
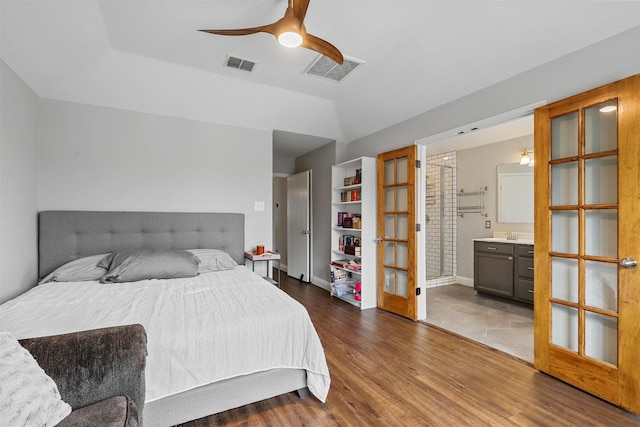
[[217, 341]]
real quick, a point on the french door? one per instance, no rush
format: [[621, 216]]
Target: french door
[[396, 239], [587, 241]]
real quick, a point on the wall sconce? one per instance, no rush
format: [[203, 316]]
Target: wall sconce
[[526, 159]]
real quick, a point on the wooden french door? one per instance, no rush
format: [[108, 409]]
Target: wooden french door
[[587, 241], [396, 232]]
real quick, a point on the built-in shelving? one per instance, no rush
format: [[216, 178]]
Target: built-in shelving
[[357, 199]]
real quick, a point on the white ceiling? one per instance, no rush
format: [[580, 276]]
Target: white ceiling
[[146, 55]]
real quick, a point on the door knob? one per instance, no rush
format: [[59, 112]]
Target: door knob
[[628, 262], [378, 239]]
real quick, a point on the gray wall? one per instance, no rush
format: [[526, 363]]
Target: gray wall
[[18, 185], [319, 162], [476, 168], [96, 158], [596, 65], [283, 164]]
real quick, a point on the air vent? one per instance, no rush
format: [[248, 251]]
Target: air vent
[[329, 69], [239, 63]]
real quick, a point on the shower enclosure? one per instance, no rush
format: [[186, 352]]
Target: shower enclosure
[[440, 219]]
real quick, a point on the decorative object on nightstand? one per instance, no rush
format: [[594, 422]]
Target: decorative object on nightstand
[[255, 256]]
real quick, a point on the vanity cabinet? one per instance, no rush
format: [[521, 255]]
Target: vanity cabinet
[[504, 269], [493, 268], [524, 273]]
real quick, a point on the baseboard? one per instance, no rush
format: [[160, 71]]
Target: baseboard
[[466, 281], [321, 283]]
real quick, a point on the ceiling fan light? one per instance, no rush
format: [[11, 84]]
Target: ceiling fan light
[[290, 39], [608, 108]]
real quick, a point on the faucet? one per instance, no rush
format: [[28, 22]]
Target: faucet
[[512, 235]]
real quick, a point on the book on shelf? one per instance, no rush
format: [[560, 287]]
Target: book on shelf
[[349, 220], [338, 276], [354, 265], [341, 216], [350, 196], [348, 240], [340, 262], [352, 250]]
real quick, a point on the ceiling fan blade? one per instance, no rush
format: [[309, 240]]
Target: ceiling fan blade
[[323, 47], [243, 31], [300, 8]]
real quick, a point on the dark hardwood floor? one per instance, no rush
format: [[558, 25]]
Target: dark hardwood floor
[[389, 371]]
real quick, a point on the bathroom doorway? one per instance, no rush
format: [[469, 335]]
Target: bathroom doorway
[[450, 299]]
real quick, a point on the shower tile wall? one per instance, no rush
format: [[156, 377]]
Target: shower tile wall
[[441, 240]]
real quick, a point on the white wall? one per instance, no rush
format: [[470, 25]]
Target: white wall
[[96, 158], [18, 185], [476, 167], [605, 62]]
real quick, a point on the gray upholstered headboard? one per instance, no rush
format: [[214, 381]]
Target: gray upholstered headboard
[[67, 235]]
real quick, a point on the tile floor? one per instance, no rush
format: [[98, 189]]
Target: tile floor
[[492, 321]]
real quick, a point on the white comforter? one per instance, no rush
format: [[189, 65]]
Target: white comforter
[[200, 330]]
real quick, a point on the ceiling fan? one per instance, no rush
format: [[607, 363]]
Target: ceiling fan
[[290, 31]]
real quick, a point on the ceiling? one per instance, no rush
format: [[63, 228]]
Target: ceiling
[[146, 55]]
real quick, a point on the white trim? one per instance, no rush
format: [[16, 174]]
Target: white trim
[[421, 235], [311, 225], [280, 175], [321, 283], [466, 281]]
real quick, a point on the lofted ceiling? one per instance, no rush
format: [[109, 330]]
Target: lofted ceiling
[[147, 56]]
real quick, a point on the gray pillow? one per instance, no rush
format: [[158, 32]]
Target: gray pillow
[[131, 266], [213, 260], [78, 270]]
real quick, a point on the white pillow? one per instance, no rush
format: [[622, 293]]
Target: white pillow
[[28, 396]]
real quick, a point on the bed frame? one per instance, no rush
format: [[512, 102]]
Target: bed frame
[[67, 235]]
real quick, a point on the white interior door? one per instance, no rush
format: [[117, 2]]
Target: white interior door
[[299, 225]]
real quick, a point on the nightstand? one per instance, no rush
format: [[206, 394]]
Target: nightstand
[[266, 256]]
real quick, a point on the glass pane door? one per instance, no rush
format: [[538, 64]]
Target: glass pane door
[[396, 226], [396, 232], [584, 228], [587, 221]]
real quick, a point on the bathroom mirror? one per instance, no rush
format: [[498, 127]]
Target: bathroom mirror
[[515, 193]]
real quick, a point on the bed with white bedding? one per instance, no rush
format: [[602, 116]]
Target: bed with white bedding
[[216, 341]]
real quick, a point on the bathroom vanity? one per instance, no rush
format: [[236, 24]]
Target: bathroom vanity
[[504, 268]]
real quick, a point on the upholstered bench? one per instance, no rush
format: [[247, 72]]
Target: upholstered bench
[[99, 372]]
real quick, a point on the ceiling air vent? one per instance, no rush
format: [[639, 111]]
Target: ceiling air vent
[[239, 63], [329, 69]]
